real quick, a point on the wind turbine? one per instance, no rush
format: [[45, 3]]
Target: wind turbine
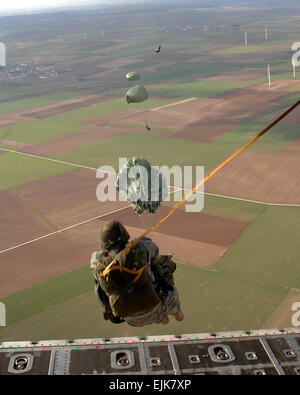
[[294, 67], [269, 74]]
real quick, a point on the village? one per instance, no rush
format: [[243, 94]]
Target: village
[[187, 28], [35, 69]]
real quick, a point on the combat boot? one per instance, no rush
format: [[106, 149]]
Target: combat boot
[[179, 316]]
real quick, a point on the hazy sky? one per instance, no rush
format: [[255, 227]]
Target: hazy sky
[[33, 4]]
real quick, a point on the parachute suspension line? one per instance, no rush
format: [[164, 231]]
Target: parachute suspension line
[[142, 221], [184, 199]]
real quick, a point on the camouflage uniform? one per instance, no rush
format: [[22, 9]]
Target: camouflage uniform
[[168, 304]]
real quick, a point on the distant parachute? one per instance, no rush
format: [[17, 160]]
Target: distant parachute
[[143, 185], [136, 94], [132, 76]]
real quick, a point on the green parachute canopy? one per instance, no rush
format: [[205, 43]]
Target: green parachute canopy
[[132, 76], [136, 94], [143, 185]]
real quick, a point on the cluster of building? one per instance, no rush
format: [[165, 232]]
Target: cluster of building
[[27, 70], [186, 28]]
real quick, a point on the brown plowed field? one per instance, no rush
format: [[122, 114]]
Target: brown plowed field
[[119, 62], [282, 316], [13, 143], [269, 177], [72, 140], [18, 221], [193, 226], [43, 259], [49, 110], [61, 107], [229, 109], [160, 118], [12, 119], [293, 148], [98, 129], [69, 199], [38, 208], [239, 75], [292, 118], [170, 57], [207, 119], [115, 116], [56, 254], [190, 252], [206, 130]]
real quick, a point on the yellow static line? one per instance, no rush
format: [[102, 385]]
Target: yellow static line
[[184, 199]]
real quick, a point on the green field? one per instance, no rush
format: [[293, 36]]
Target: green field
[[140, 125], [5, 146], [296, 88], [130, 144], [242, 291], [232, 208], [253, 48], [34, 102], [268, 252], [171, 151], [280, 136], [64, 308], [260, 268], [40, 130], [16, 170], [200, 89]]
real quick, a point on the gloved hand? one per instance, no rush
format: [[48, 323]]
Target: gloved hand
[[112, 318]]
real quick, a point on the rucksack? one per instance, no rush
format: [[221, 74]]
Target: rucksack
[[163, 268], [126, 297]]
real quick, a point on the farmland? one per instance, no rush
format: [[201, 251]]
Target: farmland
[[237, 259]]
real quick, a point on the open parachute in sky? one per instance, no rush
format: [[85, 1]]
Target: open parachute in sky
[[143, 185], [132, 76], [136, 94]]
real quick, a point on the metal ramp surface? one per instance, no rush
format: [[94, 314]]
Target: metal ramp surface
[[258, 352]]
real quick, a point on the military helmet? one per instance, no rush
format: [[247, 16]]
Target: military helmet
[[113, 234]]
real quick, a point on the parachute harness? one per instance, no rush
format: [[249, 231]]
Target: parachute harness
[[111, 267], [139, 272]]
